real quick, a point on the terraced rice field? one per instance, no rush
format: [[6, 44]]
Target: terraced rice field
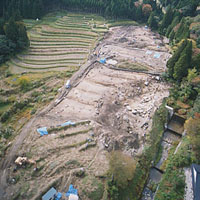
[[59, 42]]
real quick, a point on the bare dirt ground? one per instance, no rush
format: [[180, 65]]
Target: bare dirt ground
[[136, 45], [116, 107]]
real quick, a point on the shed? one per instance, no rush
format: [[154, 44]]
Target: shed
[[50, 195], [196, 181]]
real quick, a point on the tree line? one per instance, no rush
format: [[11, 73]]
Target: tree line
[[13, 38], [33, 9]]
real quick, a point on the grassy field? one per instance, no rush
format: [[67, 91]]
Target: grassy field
[[59, 41]]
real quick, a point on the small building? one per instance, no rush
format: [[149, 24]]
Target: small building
[[196, 181], [50, 195]]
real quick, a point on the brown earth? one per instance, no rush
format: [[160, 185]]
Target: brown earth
[[116, 106]]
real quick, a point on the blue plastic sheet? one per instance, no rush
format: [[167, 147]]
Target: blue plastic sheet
[[68, 123], [103, 61], [71, 190], [156, 55], [50, 194], [42, 131], [59, 196]]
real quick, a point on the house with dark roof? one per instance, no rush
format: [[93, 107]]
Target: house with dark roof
[[196, 181]]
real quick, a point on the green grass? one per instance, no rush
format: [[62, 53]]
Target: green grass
[[53, 47], [59, 44], [113, 23], [4, 107], [70, 33], [52, 63], [55, 54], [39, 68], [70, 42], [75, 133], [68, 146], [132, 66], [64, 30], [69, 27], [48, 60], [172, 185], [55, 129]]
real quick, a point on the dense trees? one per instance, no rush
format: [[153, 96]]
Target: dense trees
[[116, 8], [152, 22], [193, 129], [180, 62], [122, 167], [13, 38]]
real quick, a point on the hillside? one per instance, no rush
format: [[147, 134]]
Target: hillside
[[101, 95]]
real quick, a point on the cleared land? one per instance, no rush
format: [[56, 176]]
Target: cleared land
[[112, 109], [136, 47]]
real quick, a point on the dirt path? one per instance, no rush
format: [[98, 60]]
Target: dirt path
[[9, 159]]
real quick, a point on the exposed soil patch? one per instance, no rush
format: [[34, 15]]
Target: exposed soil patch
[[136, 45], [119, 106]]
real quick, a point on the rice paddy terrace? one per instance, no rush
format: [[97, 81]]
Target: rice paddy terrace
[[59, 42]]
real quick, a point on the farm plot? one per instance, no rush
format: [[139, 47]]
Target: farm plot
[[57, 43]]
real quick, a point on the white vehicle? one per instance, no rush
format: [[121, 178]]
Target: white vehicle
[[67, 86]]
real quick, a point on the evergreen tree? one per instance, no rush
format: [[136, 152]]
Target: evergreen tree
[[172, 25], [166, 21], [37, 9], [196, 62], [172, 61], [1, 27], [152, 21], [23, 41], [171, 36], [182, 65], [183, 31], [11, 30], [139, 15], [27, 11], [6, 48]]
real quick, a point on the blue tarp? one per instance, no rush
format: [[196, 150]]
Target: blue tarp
[[68, 123], [50, 194], [71, 190], [103, 61], [42, 131], [156, 55], [59, 196]]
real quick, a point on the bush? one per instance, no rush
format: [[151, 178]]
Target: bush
[[192, 126], [6, 132], [113, 191], [33, 111], [24, 82], [18, 105], [122, 168], [97, 193]]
